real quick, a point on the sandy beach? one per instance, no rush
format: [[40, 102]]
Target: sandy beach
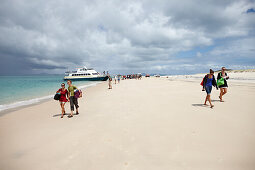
[[148, 124]]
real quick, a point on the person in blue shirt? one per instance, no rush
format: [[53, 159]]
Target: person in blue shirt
[[208, 82]]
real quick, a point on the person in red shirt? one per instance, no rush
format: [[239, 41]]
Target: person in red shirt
[[63, 94]]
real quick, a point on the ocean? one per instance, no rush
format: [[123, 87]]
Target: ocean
[[18, 91]]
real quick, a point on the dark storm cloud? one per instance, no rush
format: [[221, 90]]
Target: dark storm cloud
[[36, 36]]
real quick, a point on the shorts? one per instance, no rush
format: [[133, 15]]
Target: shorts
[[62, 102], [208, 89]]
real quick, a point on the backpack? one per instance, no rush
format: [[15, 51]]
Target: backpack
[[78, 94], [57, 96]]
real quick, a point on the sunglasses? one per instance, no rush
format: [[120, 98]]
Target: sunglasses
[[62, 85]]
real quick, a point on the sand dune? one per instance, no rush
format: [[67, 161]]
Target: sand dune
[[239, 76]]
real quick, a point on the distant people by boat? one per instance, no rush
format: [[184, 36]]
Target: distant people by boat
[[110, 81], [208, 82], [62, 100], [72, 98], [222, 82], [133, 76], [139, 76]]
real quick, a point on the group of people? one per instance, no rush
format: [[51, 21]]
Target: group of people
[[134, 76], [116, 78], [68, 95], [209, 81]]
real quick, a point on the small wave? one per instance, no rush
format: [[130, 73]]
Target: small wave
[[23, 103], [37, 100]]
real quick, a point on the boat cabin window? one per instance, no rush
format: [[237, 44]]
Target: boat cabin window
[[81, 74]]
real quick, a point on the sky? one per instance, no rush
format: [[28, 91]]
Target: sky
[[147, 36]]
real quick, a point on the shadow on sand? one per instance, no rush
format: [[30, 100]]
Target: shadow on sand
[[57, 115], [201, 105], [215, 100]]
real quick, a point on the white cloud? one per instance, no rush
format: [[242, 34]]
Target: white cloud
[[123, 35], [199, 54]]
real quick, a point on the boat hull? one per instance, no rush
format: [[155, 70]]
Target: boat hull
[[104, 78]]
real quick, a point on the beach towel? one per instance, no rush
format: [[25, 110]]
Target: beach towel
[[202, 82]]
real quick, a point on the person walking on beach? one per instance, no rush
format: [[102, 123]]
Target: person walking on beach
[[110, 82], [115, 79], [208, 82], [73, 100], [62, 100], [223, 87], [118, 78]]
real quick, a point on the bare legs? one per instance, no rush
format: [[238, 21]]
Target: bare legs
[[62, 105], [223, 91], [205, 100], [208, 97]]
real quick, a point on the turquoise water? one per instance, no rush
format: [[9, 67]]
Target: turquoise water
[[21, 88]]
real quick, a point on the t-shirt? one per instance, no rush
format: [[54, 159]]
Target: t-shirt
[[209, 81], [71, 90]]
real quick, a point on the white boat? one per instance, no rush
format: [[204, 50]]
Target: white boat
[[84, 73]]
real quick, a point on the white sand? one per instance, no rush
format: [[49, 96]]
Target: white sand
[[149, 124]]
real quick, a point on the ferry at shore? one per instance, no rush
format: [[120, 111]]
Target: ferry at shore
[[84, 73]]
